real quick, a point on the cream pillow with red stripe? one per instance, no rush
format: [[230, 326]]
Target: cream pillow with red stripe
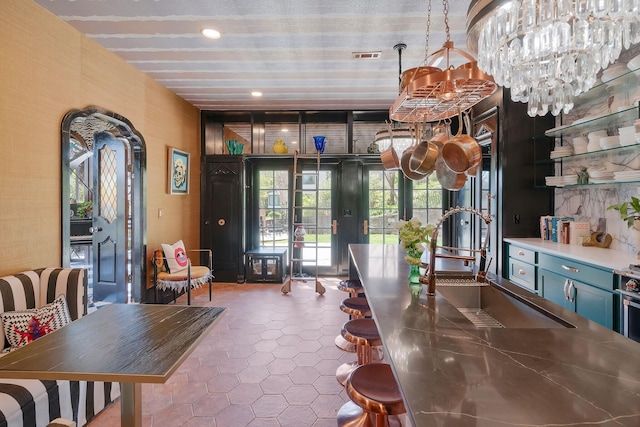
[[176, 256]]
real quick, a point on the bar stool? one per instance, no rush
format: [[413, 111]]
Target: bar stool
[[364, 334], [375, 398], [354, 287], [356, 307]]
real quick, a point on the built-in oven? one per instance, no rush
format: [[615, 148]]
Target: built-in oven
[[630, 298]]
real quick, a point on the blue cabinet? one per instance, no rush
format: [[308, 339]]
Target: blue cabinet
[[579, 287], [522, 267]]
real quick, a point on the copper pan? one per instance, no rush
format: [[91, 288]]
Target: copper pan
[[462, 152], [406, 169], [449, 179], [424, 156], [415, 73], [389, 157], [406, 159]]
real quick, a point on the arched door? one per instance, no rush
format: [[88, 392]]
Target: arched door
[[103, 202], [110, 217]]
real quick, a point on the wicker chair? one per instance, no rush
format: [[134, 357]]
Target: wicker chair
[[193, 276]]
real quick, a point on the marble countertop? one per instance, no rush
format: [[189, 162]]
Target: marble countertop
[[606, 258], [452, 373]]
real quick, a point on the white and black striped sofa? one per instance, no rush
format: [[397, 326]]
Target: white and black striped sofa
[[33, 403]]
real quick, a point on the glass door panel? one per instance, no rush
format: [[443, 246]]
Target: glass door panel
[[382, 207], [317, 212], [274, 208]]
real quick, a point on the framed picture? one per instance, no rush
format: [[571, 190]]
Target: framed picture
[[178, 171]]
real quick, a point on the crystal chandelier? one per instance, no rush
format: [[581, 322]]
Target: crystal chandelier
[[550, 51]]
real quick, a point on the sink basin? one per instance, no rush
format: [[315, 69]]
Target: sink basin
[[489, 306]]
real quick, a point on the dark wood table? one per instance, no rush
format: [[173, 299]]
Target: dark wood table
[[126, 343]]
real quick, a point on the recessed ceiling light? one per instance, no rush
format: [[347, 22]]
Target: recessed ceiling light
[[210, 33], [284, 130], [294, 142], [256, 93]]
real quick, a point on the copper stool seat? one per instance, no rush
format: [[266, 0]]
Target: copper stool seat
[[356, 307], [364, 334], [354, 287], [375, 396]]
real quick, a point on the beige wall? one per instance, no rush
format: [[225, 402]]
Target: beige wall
[[46, 69]]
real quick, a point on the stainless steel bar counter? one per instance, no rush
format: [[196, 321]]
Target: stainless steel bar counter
[[453, 373]]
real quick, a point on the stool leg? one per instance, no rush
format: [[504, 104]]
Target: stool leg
[[364, 354], [345, 345]]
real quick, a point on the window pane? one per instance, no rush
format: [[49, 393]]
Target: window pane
[[364, 134], [273, 207], [241, 132], [383, 206], [287, 132], [335, 137]]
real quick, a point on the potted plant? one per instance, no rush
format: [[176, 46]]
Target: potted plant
[[85, 209], [630, 213], [413, 236]]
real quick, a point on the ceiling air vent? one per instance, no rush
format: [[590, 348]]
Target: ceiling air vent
[[367, 55]]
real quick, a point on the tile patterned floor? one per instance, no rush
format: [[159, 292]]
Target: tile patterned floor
[[269, 362]]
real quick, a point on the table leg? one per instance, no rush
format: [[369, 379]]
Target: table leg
[[131, 405]]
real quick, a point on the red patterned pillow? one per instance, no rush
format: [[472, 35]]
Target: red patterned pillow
[[176, 256], [22, 327]]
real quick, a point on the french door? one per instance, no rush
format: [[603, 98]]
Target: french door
[[381, 199], [355, 203]]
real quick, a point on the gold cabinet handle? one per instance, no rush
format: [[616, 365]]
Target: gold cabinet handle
[[521, 272], [365, 227], [571, 269], [521, 253], [334, 226]]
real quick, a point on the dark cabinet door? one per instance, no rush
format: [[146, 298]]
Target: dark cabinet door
[[223, 216]]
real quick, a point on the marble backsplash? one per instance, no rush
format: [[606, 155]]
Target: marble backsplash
[[590, 203]]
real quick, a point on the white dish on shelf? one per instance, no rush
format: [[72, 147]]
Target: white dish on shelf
[[583, 120], [615, 70], [551, 131], [634, 63], [609, 142]]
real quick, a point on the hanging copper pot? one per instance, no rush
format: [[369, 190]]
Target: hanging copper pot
[[462, 152], [406, 159], [389, 157], [449, 179], [424, 157]]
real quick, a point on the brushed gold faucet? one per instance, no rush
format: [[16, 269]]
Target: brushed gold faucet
[[430, 276]]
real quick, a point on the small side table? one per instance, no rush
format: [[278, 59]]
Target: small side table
[[266, 265]]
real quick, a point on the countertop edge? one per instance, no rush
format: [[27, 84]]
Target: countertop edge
[[606, 258]]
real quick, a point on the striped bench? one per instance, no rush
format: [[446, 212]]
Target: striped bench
[[33, 403]]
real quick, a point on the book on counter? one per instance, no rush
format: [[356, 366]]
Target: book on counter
[[563, 229]]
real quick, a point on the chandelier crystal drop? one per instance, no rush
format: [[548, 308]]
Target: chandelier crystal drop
[[550, 51]]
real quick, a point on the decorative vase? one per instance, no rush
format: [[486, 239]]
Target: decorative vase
[[414, 281], [414, 274], [319, 141]]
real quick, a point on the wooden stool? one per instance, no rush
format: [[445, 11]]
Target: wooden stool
[[356, 307], [375, 398], [364, 334], [354, 287]]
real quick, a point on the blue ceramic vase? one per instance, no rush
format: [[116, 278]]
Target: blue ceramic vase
[[319, 141]]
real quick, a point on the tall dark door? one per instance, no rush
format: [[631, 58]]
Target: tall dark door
[[223, 217], [110, 215]]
